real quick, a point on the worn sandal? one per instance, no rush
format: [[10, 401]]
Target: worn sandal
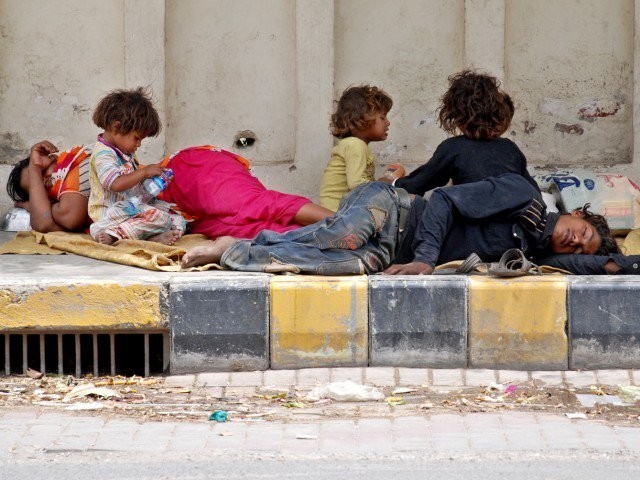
[[513, 263], [468, 266]]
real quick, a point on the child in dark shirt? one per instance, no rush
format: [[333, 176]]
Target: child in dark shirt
[[475, 107]]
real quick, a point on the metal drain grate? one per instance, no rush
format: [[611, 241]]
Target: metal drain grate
[[78, 353]]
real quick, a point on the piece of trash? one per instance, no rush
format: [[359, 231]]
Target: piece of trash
[[496, 387], [86, 406], [259, 415], [346, 391], [184, 390], [294, 405], [426, 406], [306, 437], [219, 416], [511, 389], [90, 389], [31, 373], [225, 433], [630, 393], [576, 415], [589, 400], [394, 401], [403, 390]]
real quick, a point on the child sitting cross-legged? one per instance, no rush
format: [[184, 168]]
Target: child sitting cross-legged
[[127, 117]]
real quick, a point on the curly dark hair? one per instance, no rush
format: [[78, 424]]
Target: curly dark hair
[[357, 108], [599, 222], [14, 189], [132, 109], [475, 105]]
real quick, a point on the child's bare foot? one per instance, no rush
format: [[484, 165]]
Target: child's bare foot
[[166, 238], [204, 254], [105, 239]]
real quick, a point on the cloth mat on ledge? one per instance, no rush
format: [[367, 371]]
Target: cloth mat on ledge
[[136, 253]]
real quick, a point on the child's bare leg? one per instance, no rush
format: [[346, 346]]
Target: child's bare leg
[[166, 238], [105, 239], [311, 213], [210, 253]]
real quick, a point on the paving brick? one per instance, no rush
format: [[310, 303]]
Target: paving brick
[[240, 392], [343, 374], [179, 381], [246, 379], [293, 445], [413, 377], [603, 325], [580, 379], [479, 377], [279, 378], [214, 379], [447, 377], [410, 434], [614, 377], [635, 376], [518, 377], [318, 321], [220, 324], [262, 437], [547, 377], [312, 377], [518, 323], [418, 321], [380, 376]]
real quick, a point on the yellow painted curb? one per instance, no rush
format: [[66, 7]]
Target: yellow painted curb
[[95, 306], [319, 321], [518, 322]]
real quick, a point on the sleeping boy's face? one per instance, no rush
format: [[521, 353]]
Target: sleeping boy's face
[[573, 234]]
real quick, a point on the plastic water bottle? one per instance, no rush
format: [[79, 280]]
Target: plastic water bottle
[[157, 184], [153, 186]]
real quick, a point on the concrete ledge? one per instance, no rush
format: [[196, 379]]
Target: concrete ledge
[[318, 321], [518, 323], [219, 325], [418, 321], [90, 305], [604, 322]]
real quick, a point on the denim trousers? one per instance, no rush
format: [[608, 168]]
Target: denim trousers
[[362, 237]]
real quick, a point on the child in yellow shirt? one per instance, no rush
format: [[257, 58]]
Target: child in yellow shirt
[[360, 118]]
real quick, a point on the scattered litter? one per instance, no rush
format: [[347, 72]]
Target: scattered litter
[[511, 389], [576, 415], [306, 437], [402, 390], [589, 400], [426, 406], [219, 416], [294, 405], [225, 433], [259, 415], [630, 393], [347, 391], [393, 401], [86, 406], [34, 373], [90, 389], [496, 387]]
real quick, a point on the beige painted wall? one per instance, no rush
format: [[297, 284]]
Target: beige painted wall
[[217, 67]]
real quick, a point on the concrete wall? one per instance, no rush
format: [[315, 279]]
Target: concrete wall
[[274, 67]]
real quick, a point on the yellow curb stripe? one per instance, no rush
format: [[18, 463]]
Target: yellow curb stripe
[[318, 320], [81, 306], [518, 322]]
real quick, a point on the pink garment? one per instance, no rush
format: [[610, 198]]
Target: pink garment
[[225, 198]]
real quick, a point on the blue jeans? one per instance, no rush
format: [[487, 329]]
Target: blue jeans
[[362, 237]]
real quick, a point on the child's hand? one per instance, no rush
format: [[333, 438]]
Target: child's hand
[[393, 172], [153, 170], [43, 154]]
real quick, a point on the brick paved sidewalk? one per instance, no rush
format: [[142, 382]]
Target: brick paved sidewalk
[[28, 433]]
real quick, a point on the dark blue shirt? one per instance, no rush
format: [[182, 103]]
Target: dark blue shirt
[[488, 218], [464, 160]]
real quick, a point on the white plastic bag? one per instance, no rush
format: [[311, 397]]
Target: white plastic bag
[[347, 391]]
